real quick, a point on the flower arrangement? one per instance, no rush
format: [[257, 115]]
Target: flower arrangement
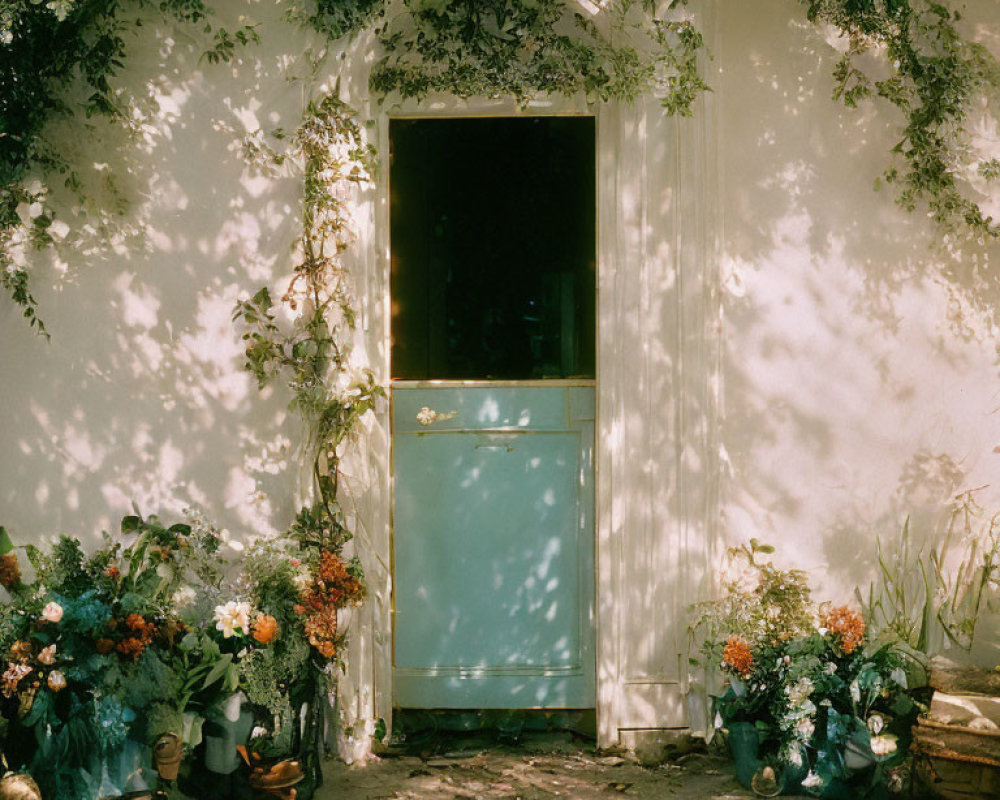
[[811, 703], [154, 634]]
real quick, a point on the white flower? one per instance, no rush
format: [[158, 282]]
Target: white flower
[[302, 580], [876, 723], [795, 757], [53, 612], [855, 691], [60, 7], [426, 416], [830, 668], [56, 681], [231, 616], [800, 691], [184, 597], [811, 781], [883, 745], [6, 36], [805, 728]]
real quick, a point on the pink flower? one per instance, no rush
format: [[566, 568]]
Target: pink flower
[[48, 655], [53, 612]]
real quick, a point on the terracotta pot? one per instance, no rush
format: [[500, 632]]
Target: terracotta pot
[[167, 754]]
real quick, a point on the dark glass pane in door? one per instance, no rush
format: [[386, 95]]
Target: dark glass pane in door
[[493, 247]]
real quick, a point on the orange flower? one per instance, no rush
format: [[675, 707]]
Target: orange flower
[[736, 656], [265, 629], [21, 649], [105, 646], [140, 635], [321, 628], [846, 625]]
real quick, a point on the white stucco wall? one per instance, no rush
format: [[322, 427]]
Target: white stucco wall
[[781, 354], [861, 365]]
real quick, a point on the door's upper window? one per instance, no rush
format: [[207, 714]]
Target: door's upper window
[[493, 243]]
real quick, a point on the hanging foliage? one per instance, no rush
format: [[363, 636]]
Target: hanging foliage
[[520, 48], [337, 18], [937, 79], [48, 50]]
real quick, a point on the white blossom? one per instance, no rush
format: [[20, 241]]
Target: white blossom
[[800, 691], [184, 597], [811, 781], [883, 745], [231, 616], [60, 7]]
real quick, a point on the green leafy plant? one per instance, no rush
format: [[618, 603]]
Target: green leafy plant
[[337, 18], [934, 595], [810, 703], [937, 78], [515, 48]]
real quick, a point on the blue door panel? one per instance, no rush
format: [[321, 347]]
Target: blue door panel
[[493, 547]]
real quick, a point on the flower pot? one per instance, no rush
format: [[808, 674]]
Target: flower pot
[[167, 754], [744, 745]]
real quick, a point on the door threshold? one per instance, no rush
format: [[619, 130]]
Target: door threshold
[[406, 383], [441, 730]]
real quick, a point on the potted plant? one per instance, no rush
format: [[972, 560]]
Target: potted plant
[[810, 704]]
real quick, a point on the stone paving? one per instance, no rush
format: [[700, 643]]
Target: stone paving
[[530, 772]]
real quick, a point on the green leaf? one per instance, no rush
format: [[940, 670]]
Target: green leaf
[[218, 670], [130, 524], [6, 545]]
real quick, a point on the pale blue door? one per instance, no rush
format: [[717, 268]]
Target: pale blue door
[[493, 521], [493, 363]]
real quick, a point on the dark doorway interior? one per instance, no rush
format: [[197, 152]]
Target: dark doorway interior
[[493, 247]]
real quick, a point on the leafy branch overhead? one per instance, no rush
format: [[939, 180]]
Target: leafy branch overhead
[[519, 48], [50, 54], [618, 50], [939, 81]]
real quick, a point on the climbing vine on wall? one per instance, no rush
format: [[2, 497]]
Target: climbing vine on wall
[[938, 80], [504, 48], [519, 48], [312, 353], [50, 54]]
